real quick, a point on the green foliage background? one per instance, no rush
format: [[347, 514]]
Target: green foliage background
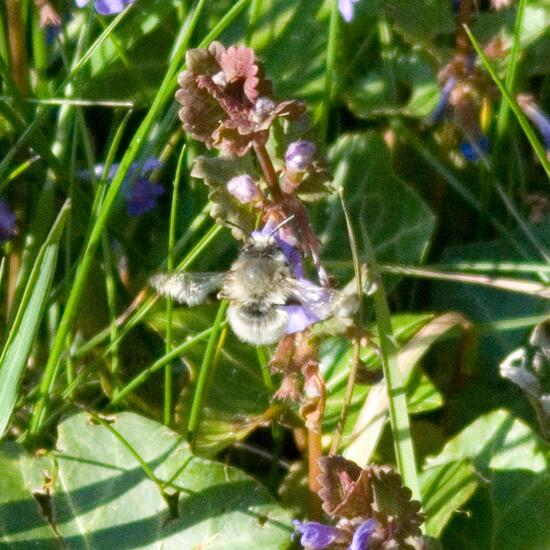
[[102, 92]]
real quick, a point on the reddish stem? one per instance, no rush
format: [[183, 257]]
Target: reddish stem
[[269, 173], [314, 452], [462, 40], [18, 51]]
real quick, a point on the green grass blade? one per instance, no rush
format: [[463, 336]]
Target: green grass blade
[[169, 301], [512, 104], [399, 417], [330, 65], [511, 72], [206, 367], [162, 362], [160, 101], [27, 320]]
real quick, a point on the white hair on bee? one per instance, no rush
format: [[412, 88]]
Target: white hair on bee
[[266, 327]]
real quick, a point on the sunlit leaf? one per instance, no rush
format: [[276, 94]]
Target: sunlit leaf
[[102, 498], [445, 489], [509, 509]]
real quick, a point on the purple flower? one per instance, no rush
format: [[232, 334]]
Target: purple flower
[[141, 193], [316, 536], [244, 189], [473, 150], [299, 155], [106, 7], [7, 222], [439, 110], [537, 116], [346, 7], [142, 197], [363, 534], [315, 305]]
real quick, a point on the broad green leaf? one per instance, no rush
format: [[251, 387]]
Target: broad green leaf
[[399, 223], [130, 63], [413, 72], [445, 489], [421, 23], [215, 172], [101, 496], [510, 509], [290, 38], [496, 441], [535, 23], [422, 395], [489, 306], [22, 522], [17, 348]]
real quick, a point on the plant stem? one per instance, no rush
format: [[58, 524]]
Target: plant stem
[[169, 301], [18, 50], [314, 452], [205, 369], [358, 331], [269, 173]]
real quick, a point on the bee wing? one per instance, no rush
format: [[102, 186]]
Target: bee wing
[[317, 299], [191, 289]]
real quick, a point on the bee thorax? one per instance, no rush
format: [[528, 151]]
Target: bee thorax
[[256, 281]]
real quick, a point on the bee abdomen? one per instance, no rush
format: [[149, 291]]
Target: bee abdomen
[[256, 324]]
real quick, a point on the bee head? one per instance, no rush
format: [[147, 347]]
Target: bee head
[[262, 245]]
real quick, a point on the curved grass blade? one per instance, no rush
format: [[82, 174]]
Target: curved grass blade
[[27, 320], [397, 404], [512, 104]]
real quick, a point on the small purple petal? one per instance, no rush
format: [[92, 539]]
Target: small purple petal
[[299, 318], [316, 536], [361, 537], [51, 33], [7, 222], [294, 257], [243, 189], [99, 168], [299, 155], [81, 3], [263, 107], [287, 243], [345, 7], [142, 197], [473, 151], [441, 107], [110, 7], [151, 164], [538, 117]]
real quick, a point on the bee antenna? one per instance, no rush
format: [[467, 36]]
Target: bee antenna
[[227, 222], [284, 222]]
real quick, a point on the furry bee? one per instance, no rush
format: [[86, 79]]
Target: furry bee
[[266, 299]]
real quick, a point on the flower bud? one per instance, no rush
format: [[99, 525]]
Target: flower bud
[[243, 189], [263, 108], [299, 155]]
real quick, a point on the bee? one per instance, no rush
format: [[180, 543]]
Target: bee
[[266, 299]]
